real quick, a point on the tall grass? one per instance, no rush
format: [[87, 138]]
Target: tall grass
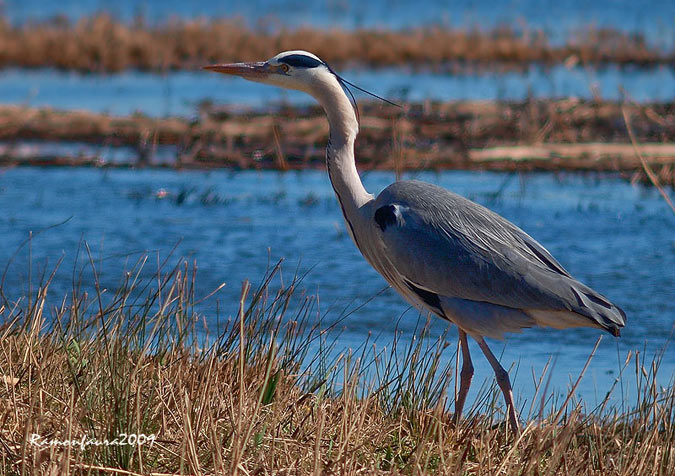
[[253, 395], [100, 43]]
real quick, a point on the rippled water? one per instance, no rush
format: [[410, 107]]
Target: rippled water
[[179, 93], [618, 238]]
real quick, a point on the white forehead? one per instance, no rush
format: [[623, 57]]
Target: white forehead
[[275, 59]]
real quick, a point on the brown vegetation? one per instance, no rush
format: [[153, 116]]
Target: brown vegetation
[[530, 135], [254, 398], [101, 43]]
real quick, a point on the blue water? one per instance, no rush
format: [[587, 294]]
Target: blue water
[[180, 93], [617, 237]]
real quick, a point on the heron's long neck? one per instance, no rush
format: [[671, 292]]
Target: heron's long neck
[[340, 151]]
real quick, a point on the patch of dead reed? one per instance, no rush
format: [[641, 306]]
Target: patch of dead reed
[[528, 135], [254, 397], [103, 44]]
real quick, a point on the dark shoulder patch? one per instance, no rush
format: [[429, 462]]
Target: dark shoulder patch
[[386, 216], [300, 61], [430, 299]]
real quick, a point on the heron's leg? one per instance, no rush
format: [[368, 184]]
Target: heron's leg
[[465, 376], [503, 382]]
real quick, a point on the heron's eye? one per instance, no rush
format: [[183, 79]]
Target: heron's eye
[[285, 68]]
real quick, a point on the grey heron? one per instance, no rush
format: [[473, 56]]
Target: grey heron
[[442, 252]]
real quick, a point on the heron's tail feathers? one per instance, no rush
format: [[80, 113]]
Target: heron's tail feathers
[[597, 307], [587, 308]]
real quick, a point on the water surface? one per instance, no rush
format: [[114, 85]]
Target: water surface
[[616, 237], [180, 93]]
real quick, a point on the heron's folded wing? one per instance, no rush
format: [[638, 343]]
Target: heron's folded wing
[[449, 245]]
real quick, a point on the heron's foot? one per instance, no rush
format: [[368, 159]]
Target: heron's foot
[[461, 396], [457, 416], [503, 382], [514, 424], [465, 377], [507, 430], [502, 377]]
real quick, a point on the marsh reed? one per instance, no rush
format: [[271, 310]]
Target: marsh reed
[[549, 135], [267, 388], [85, 45]]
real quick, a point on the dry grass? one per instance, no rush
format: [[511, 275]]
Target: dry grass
[[101, 43], [253, 397]]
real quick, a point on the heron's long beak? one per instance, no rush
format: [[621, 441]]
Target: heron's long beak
[[250, 71]]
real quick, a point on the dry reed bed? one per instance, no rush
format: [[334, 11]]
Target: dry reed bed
[[135, 360], [530, 135], [101, 43]]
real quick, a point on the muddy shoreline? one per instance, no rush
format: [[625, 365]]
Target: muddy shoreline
[[571, 135]]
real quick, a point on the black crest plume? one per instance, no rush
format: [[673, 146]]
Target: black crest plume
[[345, 85]]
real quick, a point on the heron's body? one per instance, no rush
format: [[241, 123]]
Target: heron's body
[[443, 253], [473, 267]]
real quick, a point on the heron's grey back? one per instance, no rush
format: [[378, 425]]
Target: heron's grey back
[[449, 245]]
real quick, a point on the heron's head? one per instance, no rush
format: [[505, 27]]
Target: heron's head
[[297, 69], [305, 72]]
